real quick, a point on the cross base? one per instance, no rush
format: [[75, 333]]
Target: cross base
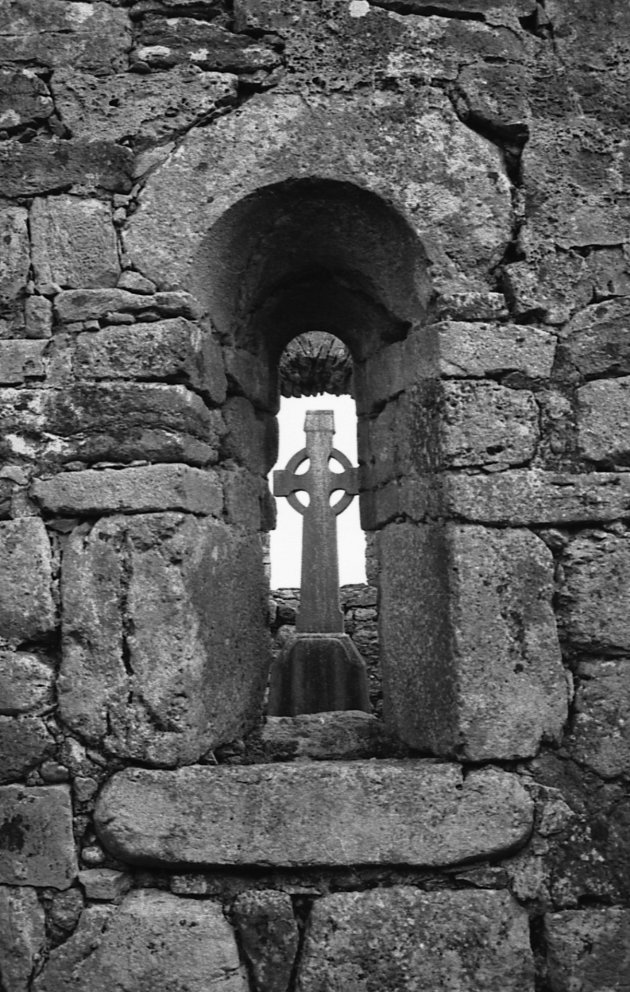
[[317, 673]]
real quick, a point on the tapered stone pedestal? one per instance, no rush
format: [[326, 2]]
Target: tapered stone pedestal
[[316, 673]]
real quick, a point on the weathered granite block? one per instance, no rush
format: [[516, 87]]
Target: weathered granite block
[[588, 950], [595, 341], [150, 107], [402, 940], [169, 41], [131, 490], [594, 606], [24, 99], [36, 841], [175, 350], [251, 438], [105, 884], [601, 729], [24, 743], [471, 661], [26, 683], [325, 813], [73, 242], [342, 736], [21, 360], [95, 37], [22, 936], [604, 421], [75, 305], [175, 669], [27, 607], [487, 424], [38, 317], [43, 165], [152, 940], [14, 252], [269, 937]]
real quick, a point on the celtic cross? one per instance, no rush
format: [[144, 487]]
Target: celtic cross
[[319, 609]]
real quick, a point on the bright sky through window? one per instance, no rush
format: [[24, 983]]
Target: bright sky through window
[[286, 540]]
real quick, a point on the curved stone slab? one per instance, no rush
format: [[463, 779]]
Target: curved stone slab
[[329, 813]]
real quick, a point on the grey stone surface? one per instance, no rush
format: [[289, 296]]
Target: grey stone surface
[[170, 41], [252, 438], [369, 143], [325, 813], [44, 165], [22, 936], [152, 940], [73, 242], [26, 683], [94, 38], [601, 728], [595, 341], [483, 617], [36, 840], [24, 743], [14, 252], [487, 424], [104, 884], [27, 607], [269, 937], [594, 604], [344, 736], [38, 317], [175, 350], [150, 107], [401, 940], [24, 99], [131, 490], [588, 950], [75, 305], [176, 669], [20, 361], [604, 420]]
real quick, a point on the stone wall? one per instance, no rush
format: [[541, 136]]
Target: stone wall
[[187, 186]]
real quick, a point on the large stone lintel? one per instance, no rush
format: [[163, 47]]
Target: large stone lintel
[[329, 813]]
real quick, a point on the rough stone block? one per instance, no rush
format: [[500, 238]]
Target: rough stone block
[[401, 940], [95, 38], [22, 936], [76, 305], [150, 107], [21, 360], [588, 950], [594, 606], [131, 490], [27, 608], [152, 940], [604, 421], [252, 439], [38, 317], [24, 99], [484, 423], [44, 165], [595, 341], [175, 669], [73, 242], [269, 937], [14, 253], [104, 884], [473, 667], [176, 350], [344, 736], [601, 730], [165, 42], [36, 840], [26, 683], [24, 743], [324, 813]]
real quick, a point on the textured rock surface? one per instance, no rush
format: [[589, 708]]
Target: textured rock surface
[[26, 682], [27, 608], [73, 242], [269, 937], [326, 813], [601, 728], [494, 627], [342, 736], [46, 165], [400, 939], [595, 591], [152, 940], [604, 421], [588, 949], [104, 884], [36, 841], [20, 360], [131, 490], [14, 252], [24, 743], [175, 670], [22, 936]]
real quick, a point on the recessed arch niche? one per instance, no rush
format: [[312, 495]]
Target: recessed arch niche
[[320, 255]]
